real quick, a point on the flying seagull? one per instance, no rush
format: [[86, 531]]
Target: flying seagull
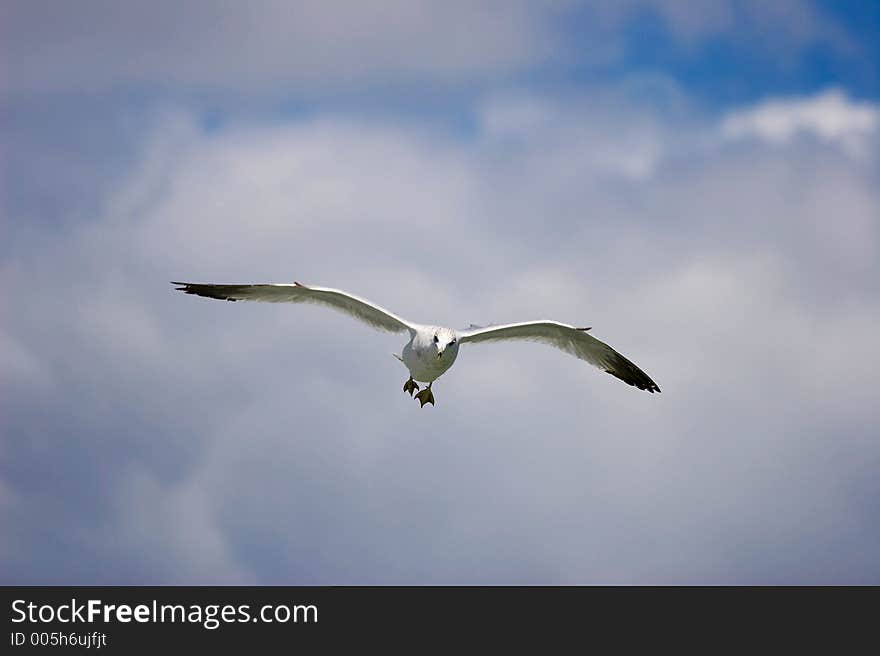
[[432, 350]]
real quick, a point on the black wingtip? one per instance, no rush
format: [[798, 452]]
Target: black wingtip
[[637, 378], [219, 292]]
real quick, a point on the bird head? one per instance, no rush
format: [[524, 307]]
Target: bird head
[[446, 342]]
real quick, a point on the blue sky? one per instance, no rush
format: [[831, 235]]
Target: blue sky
[[697, 182], [748, 63]]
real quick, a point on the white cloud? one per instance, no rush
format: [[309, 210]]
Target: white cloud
[[552, 138], [829, 116]]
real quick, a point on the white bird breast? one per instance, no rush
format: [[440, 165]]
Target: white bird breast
[[420, 357]]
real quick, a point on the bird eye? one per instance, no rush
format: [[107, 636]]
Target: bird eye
[[436, 339], [453, 341]]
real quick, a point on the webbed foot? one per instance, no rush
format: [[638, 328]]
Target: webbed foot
[[426, 396], [410, 386]]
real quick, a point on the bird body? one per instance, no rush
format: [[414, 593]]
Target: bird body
[[426, 358], [432, 350]]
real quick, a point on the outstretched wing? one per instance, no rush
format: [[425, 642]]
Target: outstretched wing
[[359, 308], [572, 340]]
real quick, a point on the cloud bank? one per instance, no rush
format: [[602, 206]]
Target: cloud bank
[[151, 437], [316, 47]]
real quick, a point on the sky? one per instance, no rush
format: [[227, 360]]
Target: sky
[[700, 183]]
